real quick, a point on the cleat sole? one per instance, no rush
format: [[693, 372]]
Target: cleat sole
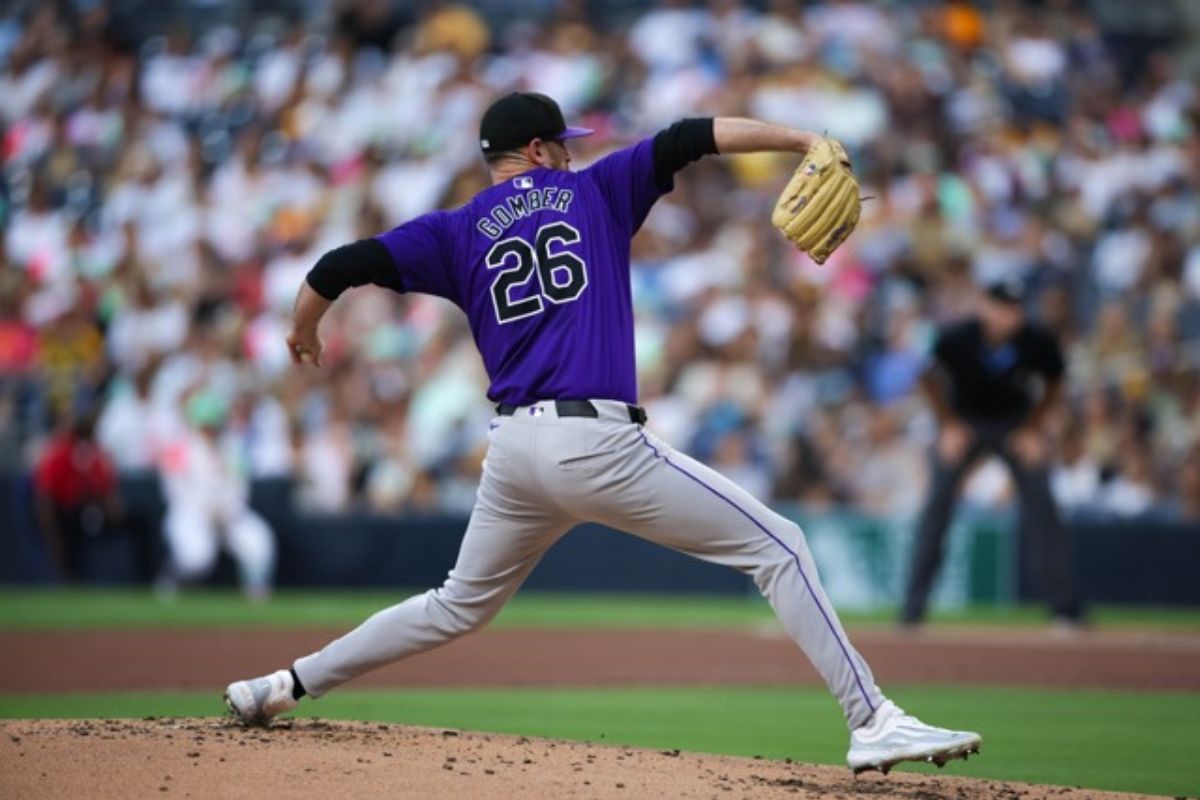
[[939, 759]]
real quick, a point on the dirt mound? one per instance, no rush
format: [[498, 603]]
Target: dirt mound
[[213, 758]]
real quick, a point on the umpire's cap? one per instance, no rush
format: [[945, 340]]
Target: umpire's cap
[[518, 118]]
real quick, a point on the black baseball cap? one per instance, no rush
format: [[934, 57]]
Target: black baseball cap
[[517, 119], [1010, 290]]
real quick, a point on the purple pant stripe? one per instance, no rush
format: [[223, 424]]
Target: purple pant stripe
[[790, 551]]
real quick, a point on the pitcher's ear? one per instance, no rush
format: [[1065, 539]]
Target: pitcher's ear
[[536, 151]]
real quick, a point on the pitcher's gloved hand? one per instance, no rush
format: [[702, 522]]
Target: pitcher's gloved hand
[[820, 206]]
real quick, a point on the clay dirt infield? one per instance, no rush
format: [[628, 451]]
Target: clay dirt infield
[[98, 660], [211, 758]]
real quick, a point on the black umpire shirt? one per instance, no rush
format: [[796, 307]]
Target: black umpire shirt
[[996, 385]]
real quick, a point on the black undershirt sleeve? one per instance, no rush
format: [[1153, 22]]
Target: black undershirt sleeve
[[365, 261], [680, 144]]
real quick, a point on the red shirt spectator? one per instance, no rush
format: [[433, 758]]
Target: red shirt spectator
[[76, 488], [18, 346], [74, 471]]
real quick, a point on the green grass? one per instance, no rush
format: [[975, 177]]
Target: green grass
[[1141, 742], [74, 609], [69, 609]]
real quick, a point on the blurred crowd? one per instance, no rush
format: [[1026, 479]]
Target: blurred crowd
[[163, 198]]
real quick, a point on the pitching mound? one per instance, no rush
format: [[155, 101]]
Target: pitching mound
[[212, 758]]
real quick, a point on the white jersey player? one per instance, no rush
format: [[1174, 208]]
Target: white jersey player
[[208, 504]]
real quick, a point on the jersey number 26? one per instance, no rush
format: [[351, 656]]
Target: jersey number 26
[[561, 275]]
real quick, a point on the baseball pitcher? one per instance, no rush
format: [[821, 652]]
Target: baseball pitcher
[[539, 263]]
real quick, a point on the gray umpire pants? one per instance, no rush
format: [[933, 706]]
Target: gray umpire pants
[[544, 474], [1039, 524]]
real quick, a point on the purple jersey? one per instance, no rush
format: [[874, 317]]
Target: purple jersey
[[540, 265]]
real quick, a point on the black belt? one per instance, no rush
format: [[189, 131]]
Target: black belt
[[577, 408]]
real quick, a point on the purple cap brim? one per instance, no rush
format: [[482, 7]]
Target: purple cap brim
[[574, 132]]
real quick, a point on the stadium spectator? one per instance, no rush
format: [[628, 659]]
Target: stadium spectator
[[76, 499], [1076, 478]]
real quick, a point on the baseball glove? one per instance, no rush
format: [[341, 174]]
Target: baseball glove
[[820, 206]]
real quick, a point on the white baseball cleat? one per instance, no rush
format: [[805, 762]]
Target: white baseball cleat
[[258, 700], [893, 736]]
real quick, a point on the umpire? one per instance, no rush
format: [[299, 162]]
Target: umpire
[[994, 378]]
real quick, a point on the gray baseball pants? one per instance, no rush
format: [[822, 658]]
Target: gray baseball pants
[[544, 474]]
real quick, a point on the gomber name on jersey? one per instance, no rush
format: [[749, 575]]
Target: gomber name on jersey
[[519, 206]]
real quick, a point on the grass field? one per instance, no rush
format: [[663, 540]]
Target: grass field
[[1107, 740], [67, 609]]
